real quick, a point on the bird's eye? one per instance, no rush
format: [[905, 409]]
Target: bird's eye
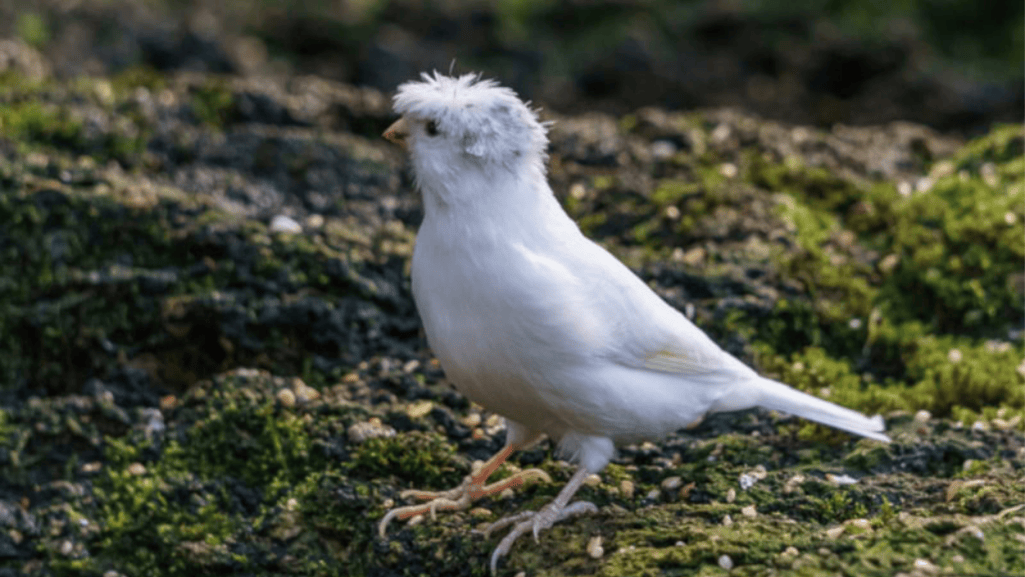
[[432, 128]]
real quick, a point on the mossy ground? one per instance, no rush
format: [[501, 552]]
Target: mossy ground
[[182, 390]]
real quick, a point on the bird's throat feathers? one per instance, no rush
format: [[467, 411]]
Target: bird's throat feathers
[[479, 213]]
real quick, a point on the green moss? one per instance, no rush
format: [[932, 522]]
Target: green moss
[[6, 430], [35, 122], [959, 246], [670, 191], [57, 240], [147, 526], [258, 442], [818, 187], [956, 375], [213, 103], [180, 512], [33, 29], [138, 77], [944, 280], [422, 458]]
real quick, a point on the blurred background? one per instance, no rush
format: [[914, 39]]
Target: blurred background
[[954, 65]]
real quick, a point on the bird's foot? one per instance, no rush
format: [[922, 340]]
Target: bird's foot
[[533, 521], [458, 499]]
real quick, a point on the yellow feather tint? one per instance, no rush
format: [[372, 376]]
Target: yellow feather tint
[[678, 362]]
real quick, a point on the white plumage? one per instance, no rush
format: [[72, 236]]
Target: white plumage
[[534, 321]]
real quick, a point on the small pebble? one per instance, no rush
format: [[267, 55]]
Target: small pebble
[[671, 483], [627, 487], [419, 409], [793, 484], [1007, 424], [303, 392], [137, 469], [592, 481], [680, 543], [888, 263], [731, 495], [922, 417], [372, 429], [285, 224], [926, 566], [791, 551], [749, 511], [286, 397], [694, 257], [662, 149], [855, 527], [727, 521], [725, 562], [67, 547], [653, 494], [471, 420], [975, 532], [594, 548], [578, 191], [841, 480], [835, 532], [721, 133]]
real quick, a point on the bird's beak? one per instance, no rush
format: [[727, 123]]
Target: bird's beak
[[397, 132]]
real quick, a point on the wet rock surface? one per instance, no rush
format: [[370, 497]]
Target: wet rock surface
[[187, 387]]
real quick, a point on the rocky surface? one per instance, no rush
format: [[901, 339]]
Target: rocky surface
[[210, 361]]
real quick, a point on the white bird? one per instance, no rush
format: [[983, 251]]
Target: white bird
[[535, 322]]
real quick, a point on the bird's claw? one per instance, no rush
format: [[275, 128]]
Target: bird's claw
[[444, 501], [535, 522], [457, 499]]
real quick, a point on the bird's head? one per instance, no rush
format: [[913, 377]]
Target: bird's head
[[464, 125]]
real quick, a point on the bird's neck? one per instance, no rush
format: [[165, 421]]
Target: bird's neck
[[517, 204]]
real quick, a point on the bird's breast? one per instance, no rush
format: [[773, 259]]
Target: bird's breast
[[499, 317]]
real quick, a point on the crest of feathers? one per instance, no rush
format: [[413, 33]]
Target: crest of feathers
[[489, 121]]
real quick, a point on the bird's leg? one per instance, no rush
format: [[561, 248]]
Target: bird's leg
[[461, 497], [559, 509]]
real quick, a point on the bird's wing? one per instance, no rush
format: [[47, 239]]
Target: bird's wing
[[676, 360], [650, 334]]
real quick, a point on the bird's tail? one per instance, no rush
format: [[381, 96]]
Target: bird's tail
[[779, 397]]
